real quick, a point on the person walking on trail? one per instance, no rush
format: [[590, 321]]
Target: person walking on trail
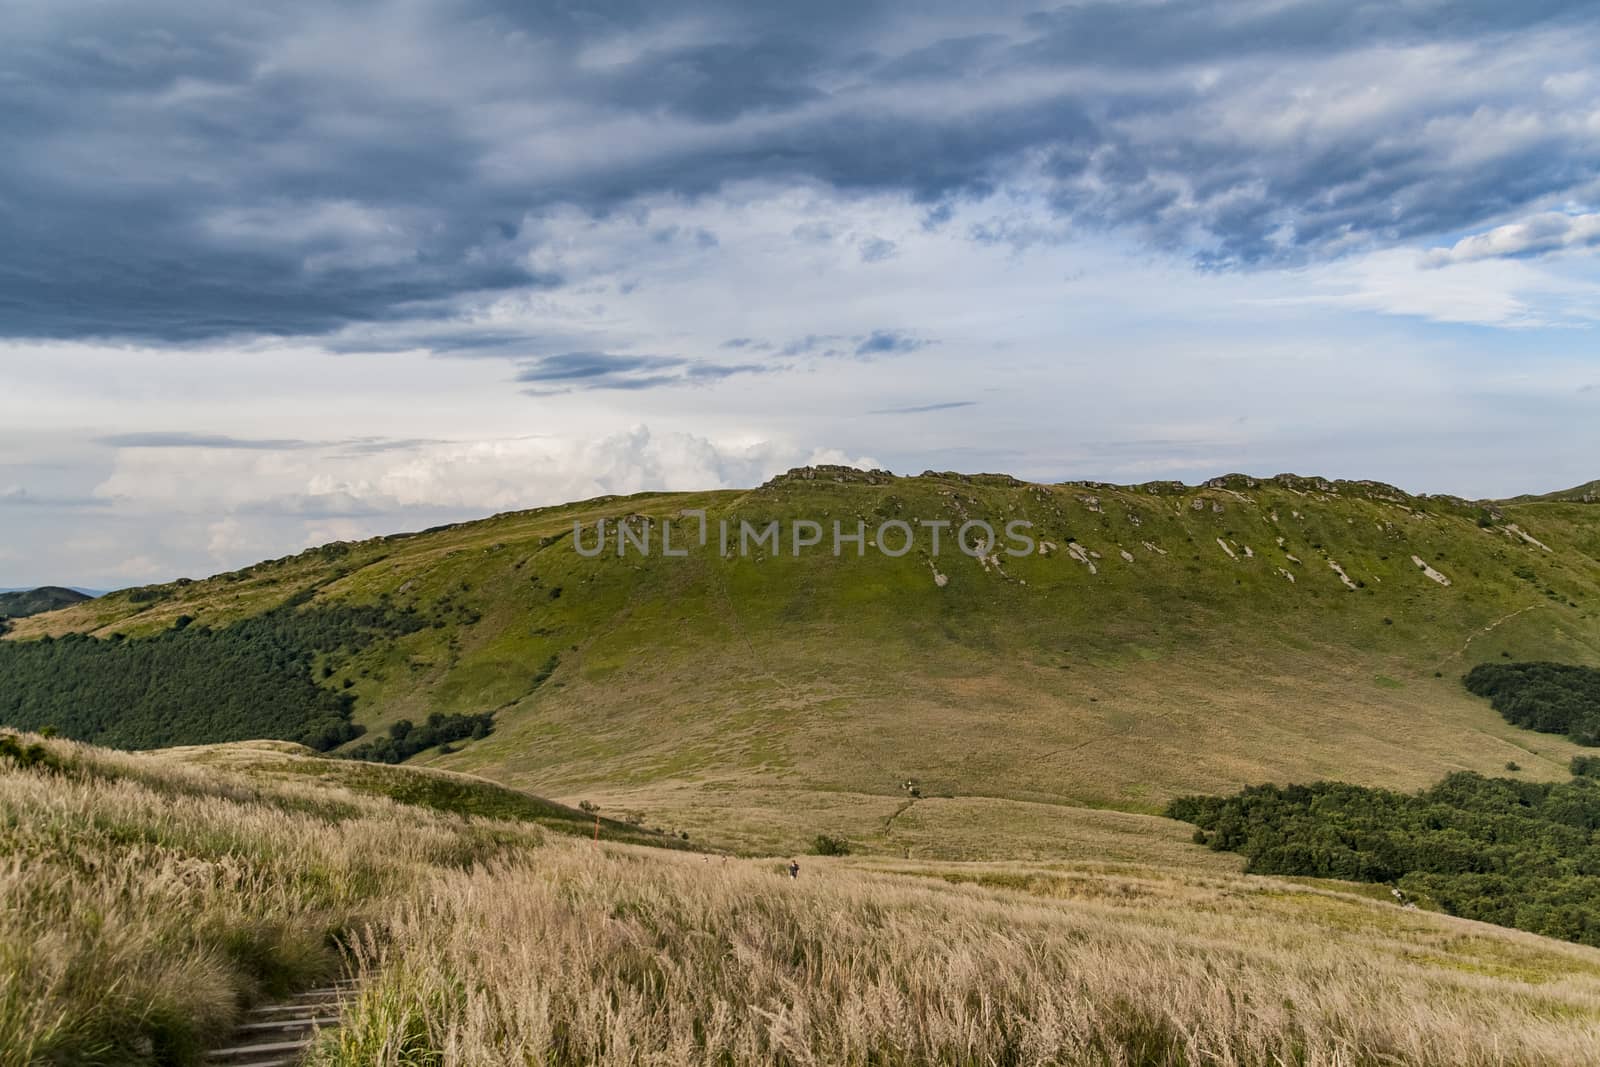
[[794, 868]]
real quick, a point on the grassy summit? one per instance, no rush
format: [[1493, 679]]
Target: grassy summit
[[1167, 640]]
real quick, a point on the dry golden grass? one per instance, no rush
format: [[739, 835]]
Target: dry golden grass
[[149, 898], [755, 819], [146, 902], [616, 956]]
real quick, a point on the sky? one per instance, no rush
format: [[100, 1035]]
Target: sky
[[273, 275]]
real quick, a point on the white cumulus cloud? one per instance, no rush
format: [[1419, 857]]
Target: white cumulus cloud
[[1533, 236]]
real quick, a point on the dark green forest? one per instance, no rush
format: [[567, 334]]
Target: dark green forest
[[1520, 854], [1550, 697], [195, 685]]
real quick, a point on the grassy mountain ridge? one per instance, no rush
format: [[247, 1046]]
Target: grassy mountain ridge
[[1587, 493], [20, 603], [1166, 640]]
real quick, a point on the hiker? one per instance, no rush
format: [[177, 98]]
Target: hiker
[[794, 868]]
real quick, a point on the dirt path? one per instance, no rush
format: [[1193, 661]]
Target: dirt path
[[1458, 653], [888, 824]]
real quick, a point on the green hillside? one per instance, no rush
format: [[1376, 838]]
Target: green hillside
[[1165, 640], [1587, 493]]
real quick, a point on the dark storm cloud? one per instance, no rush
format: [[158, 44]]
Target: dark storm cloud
[[720, 82], [175, 173]]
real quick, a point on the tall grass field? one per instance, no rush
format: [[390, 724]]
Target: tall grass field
[[151, 898]]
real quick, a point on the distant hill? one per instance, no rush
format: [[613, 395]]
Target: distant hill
[[18, 604], [1165, 639], [1587, 493]]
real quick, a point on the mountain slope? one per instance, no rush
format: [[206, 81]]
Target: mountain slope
[[21, 603], [1166, 643]]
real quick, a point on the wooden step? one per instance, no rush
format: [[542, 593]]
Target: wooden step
[[302, 1007], [307, 1023], [278, 1035], [264, 1049]]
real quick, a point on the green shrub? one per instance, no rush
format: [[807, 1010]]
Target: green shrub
[[827, 845], [28, 756]]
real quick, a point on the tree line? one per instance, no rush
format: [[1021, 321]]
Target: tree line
[[193, 684], [1520, 854], [405, 739], [1553, 698]]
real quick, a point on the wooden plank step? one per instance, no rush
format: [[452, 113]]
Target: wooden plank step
[[307, 1023], [263, 1049], [279, 1034], [280, 1009]]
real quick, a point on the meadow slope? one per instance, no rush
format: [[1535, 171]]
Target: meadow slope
[[1172, 640], [151, 897]]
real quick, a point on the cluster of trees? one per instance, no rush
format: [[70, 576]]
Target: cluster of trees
[[1520, 854], [1553, 698], [195, 685], [405, 739]]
